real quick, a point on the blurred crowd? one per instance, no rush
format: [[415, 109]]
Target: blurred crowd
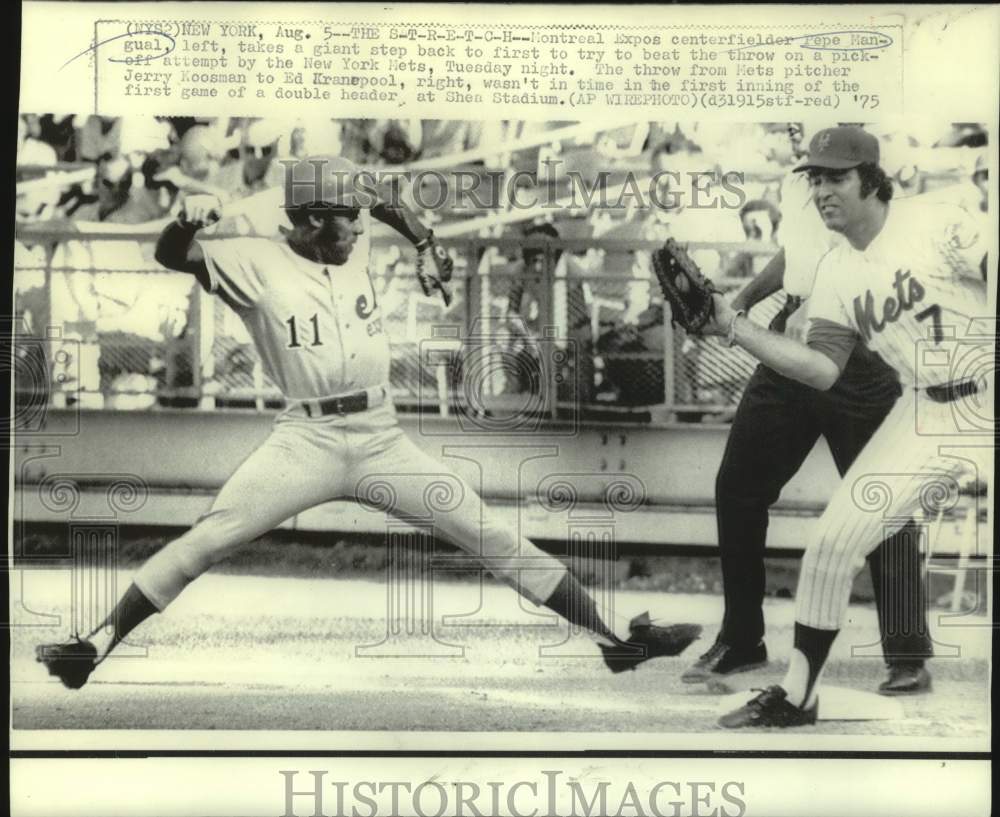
[[130, 333]]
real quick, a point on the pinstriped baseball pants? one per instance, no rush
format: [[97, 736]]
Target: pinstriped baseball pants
[[906, 471]]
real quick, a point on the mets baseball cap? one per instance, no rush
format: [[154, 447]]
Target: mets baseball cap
[[329, 180], [840, 149]]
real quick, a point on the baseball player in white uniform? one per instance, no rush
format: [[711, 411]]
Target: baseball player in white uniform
[[908, 280], [308, 303], [776, 425]]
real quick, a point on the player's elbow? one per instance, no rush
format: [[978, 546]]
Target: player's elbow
[[177, 251], [169, 253], [822, 382], [823, 373], [163, 256]]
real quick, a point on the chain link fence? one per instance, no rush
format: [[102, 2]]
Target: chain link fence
[[547, 326]]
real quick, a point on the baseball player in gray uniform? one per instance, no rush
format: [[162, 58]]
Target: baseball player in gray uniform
[[308, 303], [908, 278]]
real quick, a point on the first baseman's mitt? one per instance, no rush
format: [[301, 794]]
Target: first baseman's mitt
[[684, 287]]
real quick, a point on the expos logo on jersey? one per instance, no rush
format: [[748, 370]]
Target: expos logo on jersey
[[309, 332]]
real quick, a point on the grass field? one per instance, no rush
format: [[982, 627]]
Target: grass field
[[309, 653]]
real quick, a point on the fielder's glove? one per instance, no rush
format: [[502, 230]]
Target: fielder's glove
[[434, 268], [688, 292]]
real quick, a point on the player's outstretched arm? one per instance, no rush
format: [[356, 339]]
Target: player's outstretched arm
[[176, 248], [784, 355], [405, 222]]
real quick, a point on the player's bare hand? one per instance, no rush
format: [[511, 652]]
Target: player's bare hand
[[722, 316], [200, 210]]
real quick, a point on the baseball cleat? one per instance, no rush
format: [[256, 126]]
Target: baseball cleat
[[769, 708], [905, 679], [71, 662], [647, 640], [721, 659]]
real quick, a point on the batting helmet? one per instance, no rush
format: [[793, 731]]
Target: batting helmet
[[328, 180]]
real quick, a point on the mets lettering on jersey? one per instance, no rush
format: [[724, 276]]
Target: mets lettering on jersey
[[918, 281], [907, 292], [317, 327]]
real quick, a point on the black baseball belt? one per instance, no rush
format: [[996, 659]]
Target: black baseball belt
[[950, 392], [345, 403]]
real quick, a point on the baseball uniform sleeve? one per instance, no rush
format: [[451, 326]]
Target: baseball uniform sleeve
[[832, 339], [233, 269], [831, 331]]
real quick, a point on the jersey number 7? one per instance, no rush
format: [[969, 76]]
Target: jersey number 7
[[934, 313]]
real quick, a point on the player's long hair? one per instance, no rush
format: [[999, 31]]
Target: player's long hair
[[874, 180]]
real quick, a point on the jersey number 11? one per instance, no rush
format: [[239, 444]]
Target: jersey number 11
[[293, 332]]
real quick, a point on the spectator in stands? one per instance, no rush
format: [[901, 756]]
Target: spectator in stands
[[143, 135], [38, 200], [111, 188], [355, 140], [31, 151], [760, 220], [195, 159], [573, 311], [198, 153], [57, 130], [396, 141], [668, 137], [901, 159], [632, 357], [63, 307], [122, 317], [526, 301], [964, 134], [527, 282], [257, 167], [314, 137], [99, 138]]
